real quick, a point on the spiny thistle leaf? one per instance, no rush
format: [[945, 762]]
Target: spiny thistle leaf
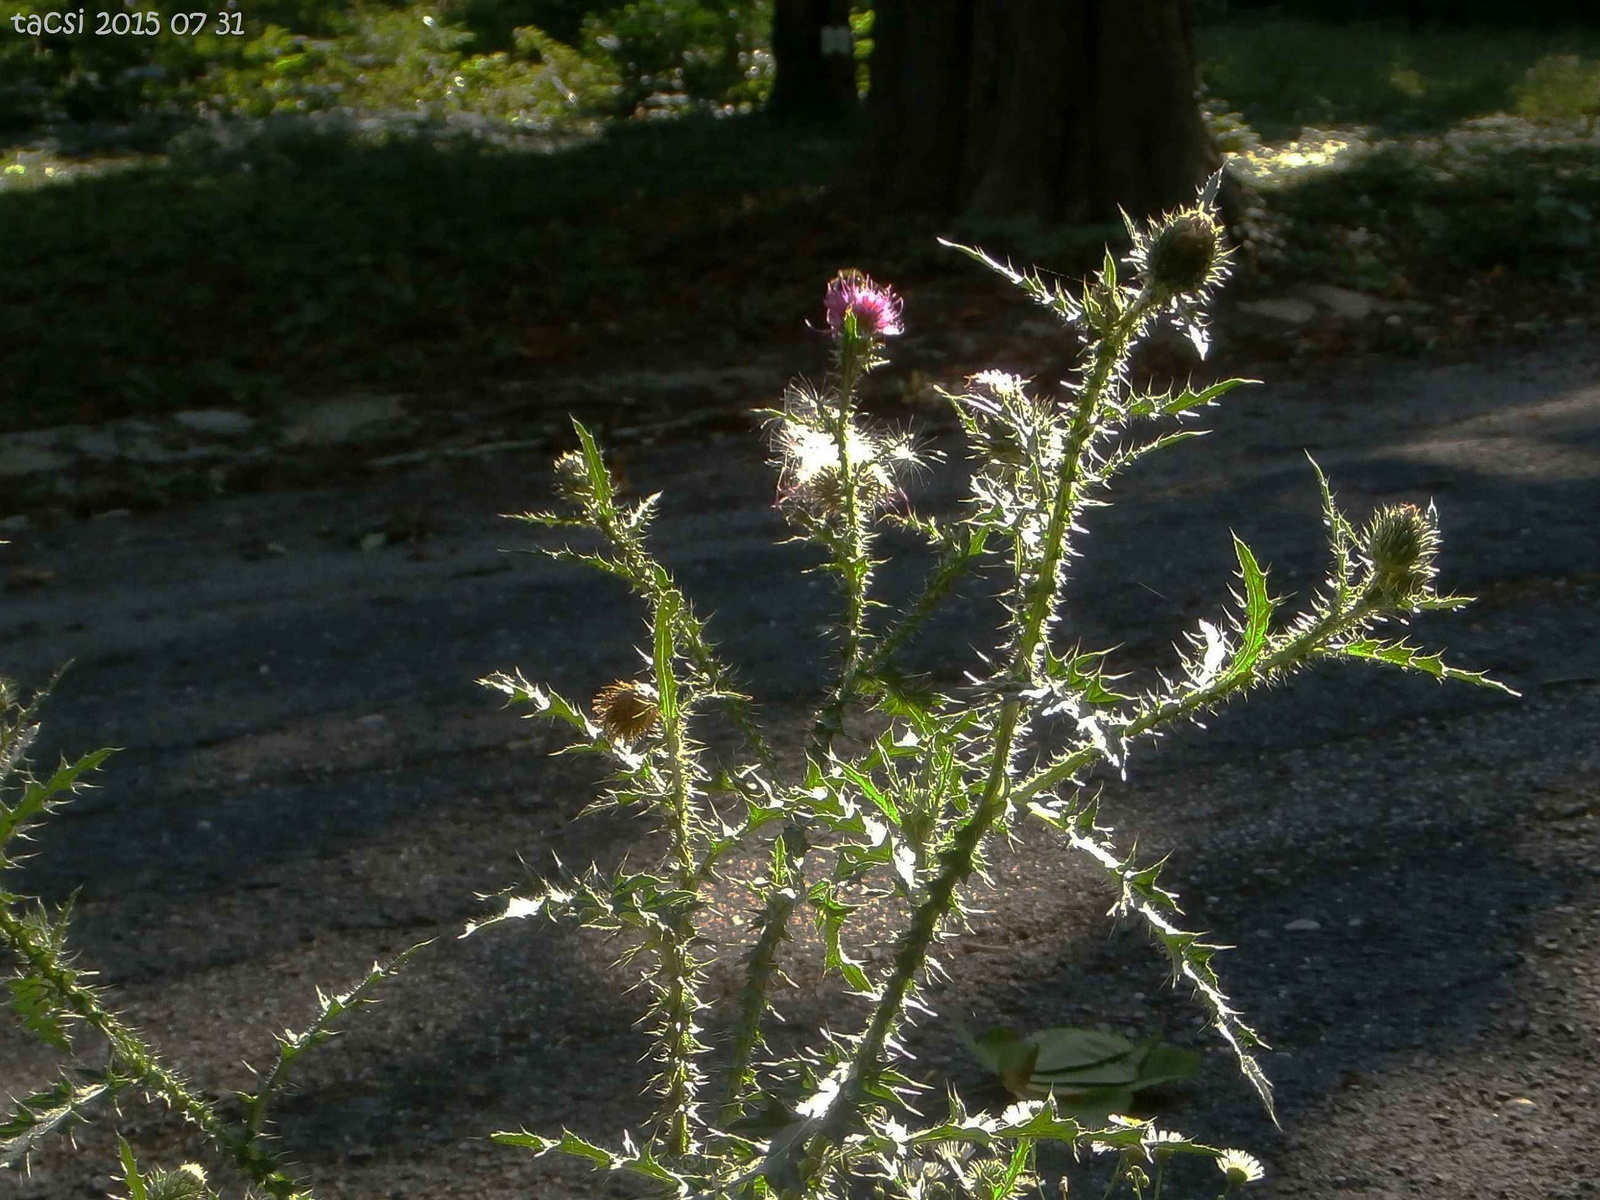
[[870, 791], [599, 477], [666, 681], [55, 1109], [831, 916], [38, 798], [35, 999], [1258, 613], [14, 743], [597, 562], [567, 1143], [1055, 299], [37, 1006], [545, 703], [1191, 958], [1039, 1120], [1168, 405], [292, 1045], [1411, 658], [1341, 536], [1123, 458], [632, 1159]]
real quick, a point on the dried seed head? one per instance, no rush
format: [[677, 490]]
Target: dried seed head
[[1401, 543], [1183, 253], [626, 710], [572, 477], [808, 463]]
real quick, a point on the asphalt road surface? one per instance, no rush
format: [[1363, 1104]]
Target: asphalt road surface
[[310, 777]]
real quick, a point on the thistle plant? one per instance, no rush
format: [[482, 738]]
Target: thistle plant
[[903, 790], [896, 802], [55, 1000]]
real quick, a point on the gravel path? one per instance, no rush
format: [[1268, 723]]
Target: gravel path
[[310, 779]]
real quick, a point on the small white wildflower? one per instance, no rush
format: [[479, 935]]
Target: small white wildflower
[[1239, 1167]]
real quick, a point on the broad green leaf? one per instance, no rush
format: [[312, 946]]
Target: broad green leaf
[[1006, 1053], [1164, 1063], [1115, 1073], [1066, 1049]]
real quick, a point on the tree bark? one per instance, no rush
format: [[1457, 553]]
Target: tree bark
[[1062, 110], [814, 71]]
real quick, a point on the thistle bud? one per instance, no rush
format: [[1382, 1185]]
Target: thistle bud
[[1400, 544], [572, 477], [1183, 253], [626, 710]]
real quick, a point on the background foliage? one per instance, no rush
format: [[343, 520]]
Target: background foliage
[[528, 60], [358, 194]]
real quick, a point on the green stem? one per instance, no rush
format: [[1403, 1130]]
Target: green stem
[[1293, 652], [849, 561], [651, 581], [132, 1052], [678, 1083], [780, 904], [959, 860], [950, 568]]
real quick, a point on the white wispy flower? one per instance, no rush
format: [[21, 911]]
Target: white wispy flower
[[1239, 1167]]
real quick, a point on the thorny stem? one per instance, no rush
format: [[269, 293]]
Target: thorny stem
[[1291, 653], [849, 560], [676, 955], [654, 582], [679, 1005], [132, 1051], [958, 861], [950, 568], [781, 901]]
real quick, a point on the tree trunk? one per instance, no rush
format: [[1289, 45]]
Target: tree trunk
[[814, 77], [1061, 110]]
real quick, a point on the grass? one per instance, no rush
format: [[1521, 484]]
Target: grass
[[1417, 163], [285, 257], [1285, 74], [237, 263]]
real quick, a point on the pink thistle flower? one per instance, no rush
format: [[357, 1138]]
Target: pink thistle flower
[[875, 305]]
